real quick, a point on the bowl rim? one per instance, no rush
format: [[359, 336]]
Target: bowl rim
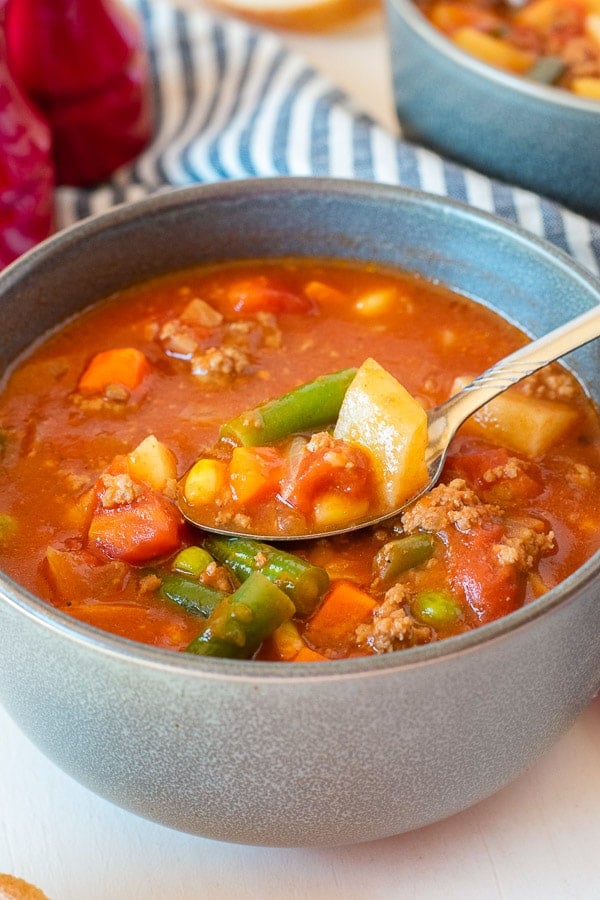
[[107, 644], [552, 95]]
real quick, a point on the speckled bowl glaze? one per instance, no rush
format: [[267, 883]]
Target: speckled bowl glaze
[[318, 753], [532, 135]]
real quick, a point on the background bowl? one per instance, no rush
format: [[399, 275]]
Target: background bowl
[[539, 137], [278, 753]]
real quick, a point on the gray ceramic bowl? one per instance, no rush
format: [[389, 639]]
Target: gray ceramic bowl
[[532, 135], [319, 753]]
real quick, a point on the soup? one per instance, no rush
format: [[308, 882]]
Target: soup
[[549, 41], [99, 420]]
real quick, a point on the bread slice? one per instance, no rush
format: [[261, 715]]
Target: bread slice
[[300, 15]]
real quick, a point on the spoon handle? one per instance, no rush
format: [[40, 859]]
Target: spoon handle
[[509, 371]]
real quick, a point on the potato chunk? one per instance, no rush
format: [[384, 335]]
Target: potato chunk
[[379, 414], [527, 425], [153, 463]]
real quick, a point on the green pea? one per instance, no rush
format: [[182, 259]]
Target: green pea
[[436, 608], [192, 561]]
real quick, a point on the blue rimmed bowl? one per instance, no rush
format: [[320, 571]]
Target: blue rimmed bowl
[[318, 753], [532, 135]]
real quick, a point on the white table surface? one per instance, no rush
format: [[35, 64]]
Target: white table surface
[[537, 838]]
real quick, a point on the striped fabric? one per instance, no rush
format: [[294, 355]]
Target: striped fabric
[[233, 102]]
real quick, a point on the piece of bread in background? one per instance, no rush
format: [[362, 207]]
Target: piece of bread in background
[[299, 15], [13, 888]]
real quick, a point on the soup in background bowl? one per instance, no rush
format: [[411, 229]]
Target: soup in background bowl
[[517, 129], [552, 42], [272, 751]]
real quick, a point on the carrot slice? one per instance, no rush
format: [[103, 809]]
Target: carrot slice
[[121, 365], [344, 608], [148, 527], [254, 472], [308, 655]]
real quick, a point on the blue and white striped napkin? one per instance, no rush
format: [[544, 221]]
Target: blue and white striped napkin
[[232, 101]]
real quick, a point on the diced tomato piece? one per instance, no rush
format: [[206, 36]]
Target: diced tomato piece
[[261, 294], [77, 574], [492, 590], [139, 622], [478, 463], [337, 466]]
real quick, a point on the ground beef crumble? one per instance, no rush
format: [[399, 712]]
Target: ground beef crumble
[[392, 627], [512, 468], [525, 542], [456, 505], [217, 350], [549, 383], [117, 490], [115, 400], [448, 504], [321, 440], [220, 361], [581, 476], [216, 576], [149, 584], [178, 339]]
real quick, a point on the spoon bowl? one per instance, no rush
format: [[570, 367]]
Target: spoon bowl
[[443, 422]]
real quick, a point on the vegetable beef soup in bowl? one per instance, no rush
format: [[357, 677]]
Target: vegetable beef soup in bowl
[[512, 90], [271, 363]]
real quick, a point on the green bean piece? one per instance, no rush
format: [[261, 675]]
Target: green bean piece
[[546, 69], [303, 582], [404, 553], [308, 407], [241, 622], [195, 597], [192, 561], [436, 608]]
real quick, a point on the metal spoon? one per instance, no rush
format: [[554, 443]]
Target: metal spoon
[[444, 420]]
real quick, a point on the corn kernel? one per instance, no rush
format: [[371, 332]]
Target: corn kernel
[[204, 481]]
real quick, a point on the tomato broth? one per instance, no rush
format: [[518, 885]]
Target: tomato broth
[[100, 418]]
